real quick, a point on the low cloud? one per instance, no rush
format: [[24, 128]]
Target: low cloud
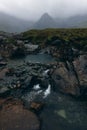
[[33, 9]]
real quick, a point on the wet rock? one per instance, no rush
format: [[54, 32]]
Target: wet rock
[[3, 73], [35, 80], [19, 42], [44, 82], [1, 101], [4, 90], [31, 48], [27, 81], [15, 85], [1, 58], [3, 63], [4, 100], [81, 68], [18, 84], [65, 80], [12, 86], [14, 117], [19, 73], [36, 106], [18, 52], [10, 72]]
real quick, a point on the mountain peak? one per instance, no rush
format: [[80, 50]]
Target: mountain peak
[[46, 16], [45, 21]]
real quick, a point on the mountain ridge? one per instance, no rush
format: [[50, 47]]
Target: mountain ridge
[[10, 23]]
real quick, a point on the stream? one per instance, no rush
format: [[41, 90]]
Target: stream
[[61, 112]]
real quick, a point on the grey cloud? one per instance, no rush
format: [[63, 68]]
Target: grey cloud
[[33, 9]]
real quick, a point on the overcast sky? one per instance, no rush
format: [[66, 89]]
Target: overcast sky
[[33, 9]]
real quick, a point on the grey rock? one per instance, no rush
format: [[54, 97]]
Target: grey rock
[[81, 68], [65, 81]]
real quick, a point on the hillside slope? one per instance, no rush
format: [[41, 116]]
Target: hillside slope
[[9, 23]]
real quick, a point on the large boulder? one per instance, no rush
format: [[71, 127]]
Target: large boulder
[[31, 48], [14, 117], [81, 69], [65, 80], [17, 52]]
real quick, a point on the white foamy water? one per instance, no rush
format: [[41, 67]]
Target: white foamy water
[[47, 91], [40, 91], [45, 72], [36, 87], [33, 94]]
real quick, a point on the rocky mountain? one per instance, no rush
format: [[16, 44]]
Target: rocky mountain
[[10, 23], [46, 21]]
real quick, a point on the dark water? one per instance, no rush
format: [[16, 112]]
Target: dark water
[[38, 58], [42, 58], [64, 113], [61, 112]]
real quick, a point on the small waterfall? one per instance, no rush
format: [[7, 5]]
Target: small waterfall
[[46, 72], [36, 87], [47, 91], [37, 92]]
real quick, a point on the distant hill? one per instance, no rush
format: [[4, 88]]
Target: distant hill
[[83, 24], [77, 21], [9, 23], [46, 21]]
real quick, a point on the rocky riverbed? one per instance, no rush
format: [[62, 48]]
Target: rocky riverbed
[[41, 91]]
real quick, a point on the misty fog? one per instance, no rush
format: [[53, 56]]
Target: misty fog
[[33, 9]]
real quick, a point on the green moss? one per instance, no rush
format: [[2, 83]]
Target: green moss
[[78, 37]]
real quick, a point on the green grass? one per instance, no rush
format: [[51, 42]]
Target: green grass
[[78, 37]]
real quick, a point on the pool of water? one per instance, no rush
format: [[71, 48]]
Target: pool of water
[[42, 58], [61, 112], [38, 58]]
